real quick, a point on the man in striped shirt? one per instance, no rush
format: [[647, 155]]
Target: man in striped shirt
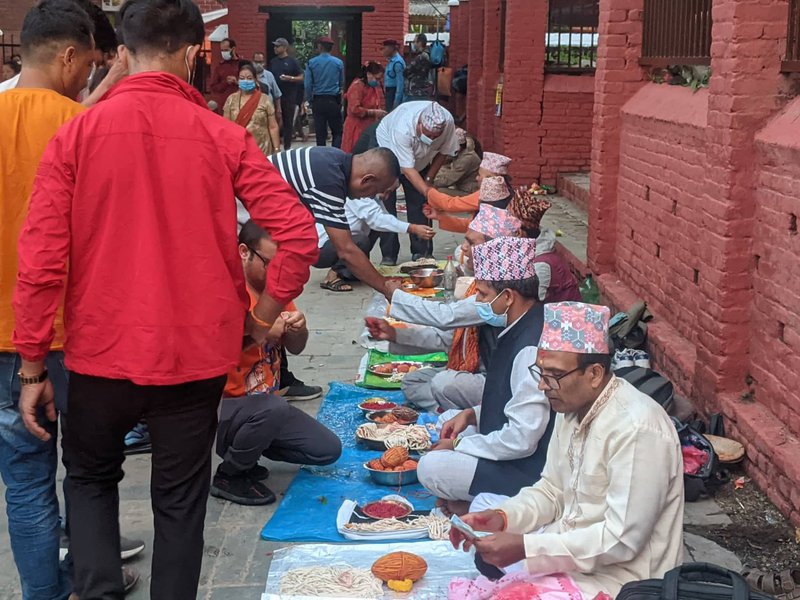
[[324, 178]]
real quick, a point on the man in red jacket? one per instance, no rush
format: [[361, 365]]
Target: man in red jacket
[[138, 194]]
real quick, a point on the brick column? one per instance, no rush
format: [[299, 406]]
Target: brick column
[[488, 123], [475, 62], [617, 78], [526, 26], [458, 36], [745, 60]]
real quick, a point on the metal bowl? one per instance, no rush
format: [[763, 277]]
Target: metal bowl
[[392, 478], [427, 278], [366, 411], [414, 415]]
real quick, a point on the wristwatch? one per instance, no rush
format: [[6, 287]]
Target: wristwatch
[[27, 380]]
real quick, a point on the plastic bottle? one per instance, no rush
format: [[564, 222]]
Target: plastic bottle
[[450, 275]]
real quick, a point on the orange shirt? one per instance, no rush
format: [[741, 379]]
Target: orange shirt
[[30, 117], [259, 368], [450, 204]]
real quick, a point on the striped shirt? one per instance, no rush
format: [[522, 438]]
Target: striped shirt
[[320, 176]]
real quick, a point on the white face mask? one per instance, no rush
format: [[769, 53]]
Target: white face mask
[[189, 71], [425, 139], [227, 55]]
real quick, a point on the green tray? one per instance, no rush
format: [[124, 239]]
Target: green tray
[[378, 358]]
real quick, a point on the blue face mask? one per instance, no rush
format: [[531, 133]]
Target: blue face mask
[[425, 139], [246, 85], [373, 83], [488, 316]]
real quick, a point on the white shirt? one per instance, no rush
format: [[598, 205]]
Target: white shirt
[[365, 215], [398, 132], [9, 84], [610, 498]]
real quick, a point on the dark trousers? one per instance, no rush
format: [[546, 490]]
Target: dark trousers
[[329, 259], [267, 425], [391, 93], [328, 113], [182, 420], [414, 203], [390, 242], [288, 108]]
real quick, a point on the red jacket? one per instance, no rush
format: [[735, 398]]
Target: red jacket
[[138, 194]]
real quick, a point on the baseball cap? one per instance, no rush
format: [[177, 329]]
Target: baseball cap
[[281, 42]]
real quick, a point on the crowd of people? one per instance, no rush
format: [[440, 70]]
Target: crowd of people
[[130, 299]]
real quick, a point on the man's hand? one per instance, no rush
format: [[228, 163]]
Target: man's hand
[[392, 285], [380, 329], [422, 231], [294, 320], [231, 80], [444, 444], [430, 212], [379, 113], [260, 334], [33, 398], [501, 549], [457, 424], [487, 520]]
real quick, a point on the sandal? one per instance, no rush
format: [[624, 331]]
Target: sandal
[[337, 285], [783, 586]]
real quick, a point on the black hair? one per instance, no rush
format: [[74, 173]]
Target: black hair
[[251, 234], [531, 232], [422, 38], [527, 288], [371, 67], [390, 159], [230, 41], [587, 360], [248, 66], [160, 25], [264, 54], [99, 75], [477, 145], [15, 66], [105, 38], [327, 46], [54, 21]]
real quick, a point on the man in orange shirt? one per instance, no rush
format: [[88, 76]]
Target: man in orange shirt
[[254, 421], [58, 53]]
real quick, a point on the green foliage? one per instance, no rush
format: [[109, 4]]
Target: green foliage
[[306, 34], [694, 76]]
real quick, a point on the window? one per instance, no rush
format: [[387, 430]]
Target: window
[[503, 17], [792, 62], [676, 32], [571, 45]]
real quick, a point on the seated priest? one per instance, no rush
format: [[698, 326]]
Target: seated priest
[[460, 172], [499, 446], [608, 508]]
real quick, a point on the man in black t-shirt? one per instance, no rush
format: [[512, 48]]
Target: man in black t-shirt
[[290, 79]]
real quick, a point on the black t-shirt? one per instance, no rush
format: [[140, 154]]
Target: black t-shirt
[[320, 176], [287, 66]]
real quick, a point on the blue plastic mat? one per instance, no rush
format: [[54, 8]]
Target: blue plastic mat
[[308, 511]]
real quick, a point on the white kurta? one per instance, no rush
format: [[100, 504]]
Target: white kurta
[[363, 216], [413, 309], [610, 498]]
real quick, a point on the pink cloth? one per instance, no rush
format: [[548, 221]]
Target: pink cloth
[[575, 327], [433, 118], [494, 189], [518, 586], [495, 222], [504, 259], [495, 163]]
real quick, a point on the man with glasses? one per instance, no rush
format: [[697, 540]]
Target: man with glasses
[[254, 420], [608, 508], [500, 445]]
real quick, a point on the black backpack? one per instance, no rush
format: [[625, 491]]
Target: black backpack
[[647, 381], [693, 581]]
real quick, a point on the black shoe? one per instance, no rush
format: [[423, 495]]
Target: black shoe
[[130, 577], [388, 262], [241, 489], [300, 391], [416, 257], [258, 473], [128, 548]]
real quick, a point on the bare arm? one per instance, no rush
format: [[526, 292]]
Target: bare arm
[[355, 259], [417, 181], [118, 71], [437, 164]]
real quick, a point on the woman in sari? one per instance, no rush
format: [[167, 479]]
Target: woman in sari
[[254, 111], [365, 103]]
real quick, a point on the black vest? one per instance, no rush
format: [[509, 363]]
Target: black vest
[[487, 342], [508, 477]]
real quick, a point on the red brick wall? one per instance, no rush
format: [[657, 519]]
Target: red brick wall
[[567, 105], [12, 12], [390, 20]]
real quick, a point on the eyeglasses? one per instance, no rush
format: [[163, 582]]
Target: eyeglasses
[[264, 260], [551, 381]]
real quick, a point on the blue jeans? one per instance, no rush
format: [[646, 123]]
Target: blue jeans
[[28, 468]]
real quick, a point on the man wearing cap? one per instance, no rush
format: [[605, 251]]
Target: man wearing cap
[[324, 83], [395, 73], [290, 81], [460, 173], [456, 328], [608, 508], [492, 165], [500, 445]]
